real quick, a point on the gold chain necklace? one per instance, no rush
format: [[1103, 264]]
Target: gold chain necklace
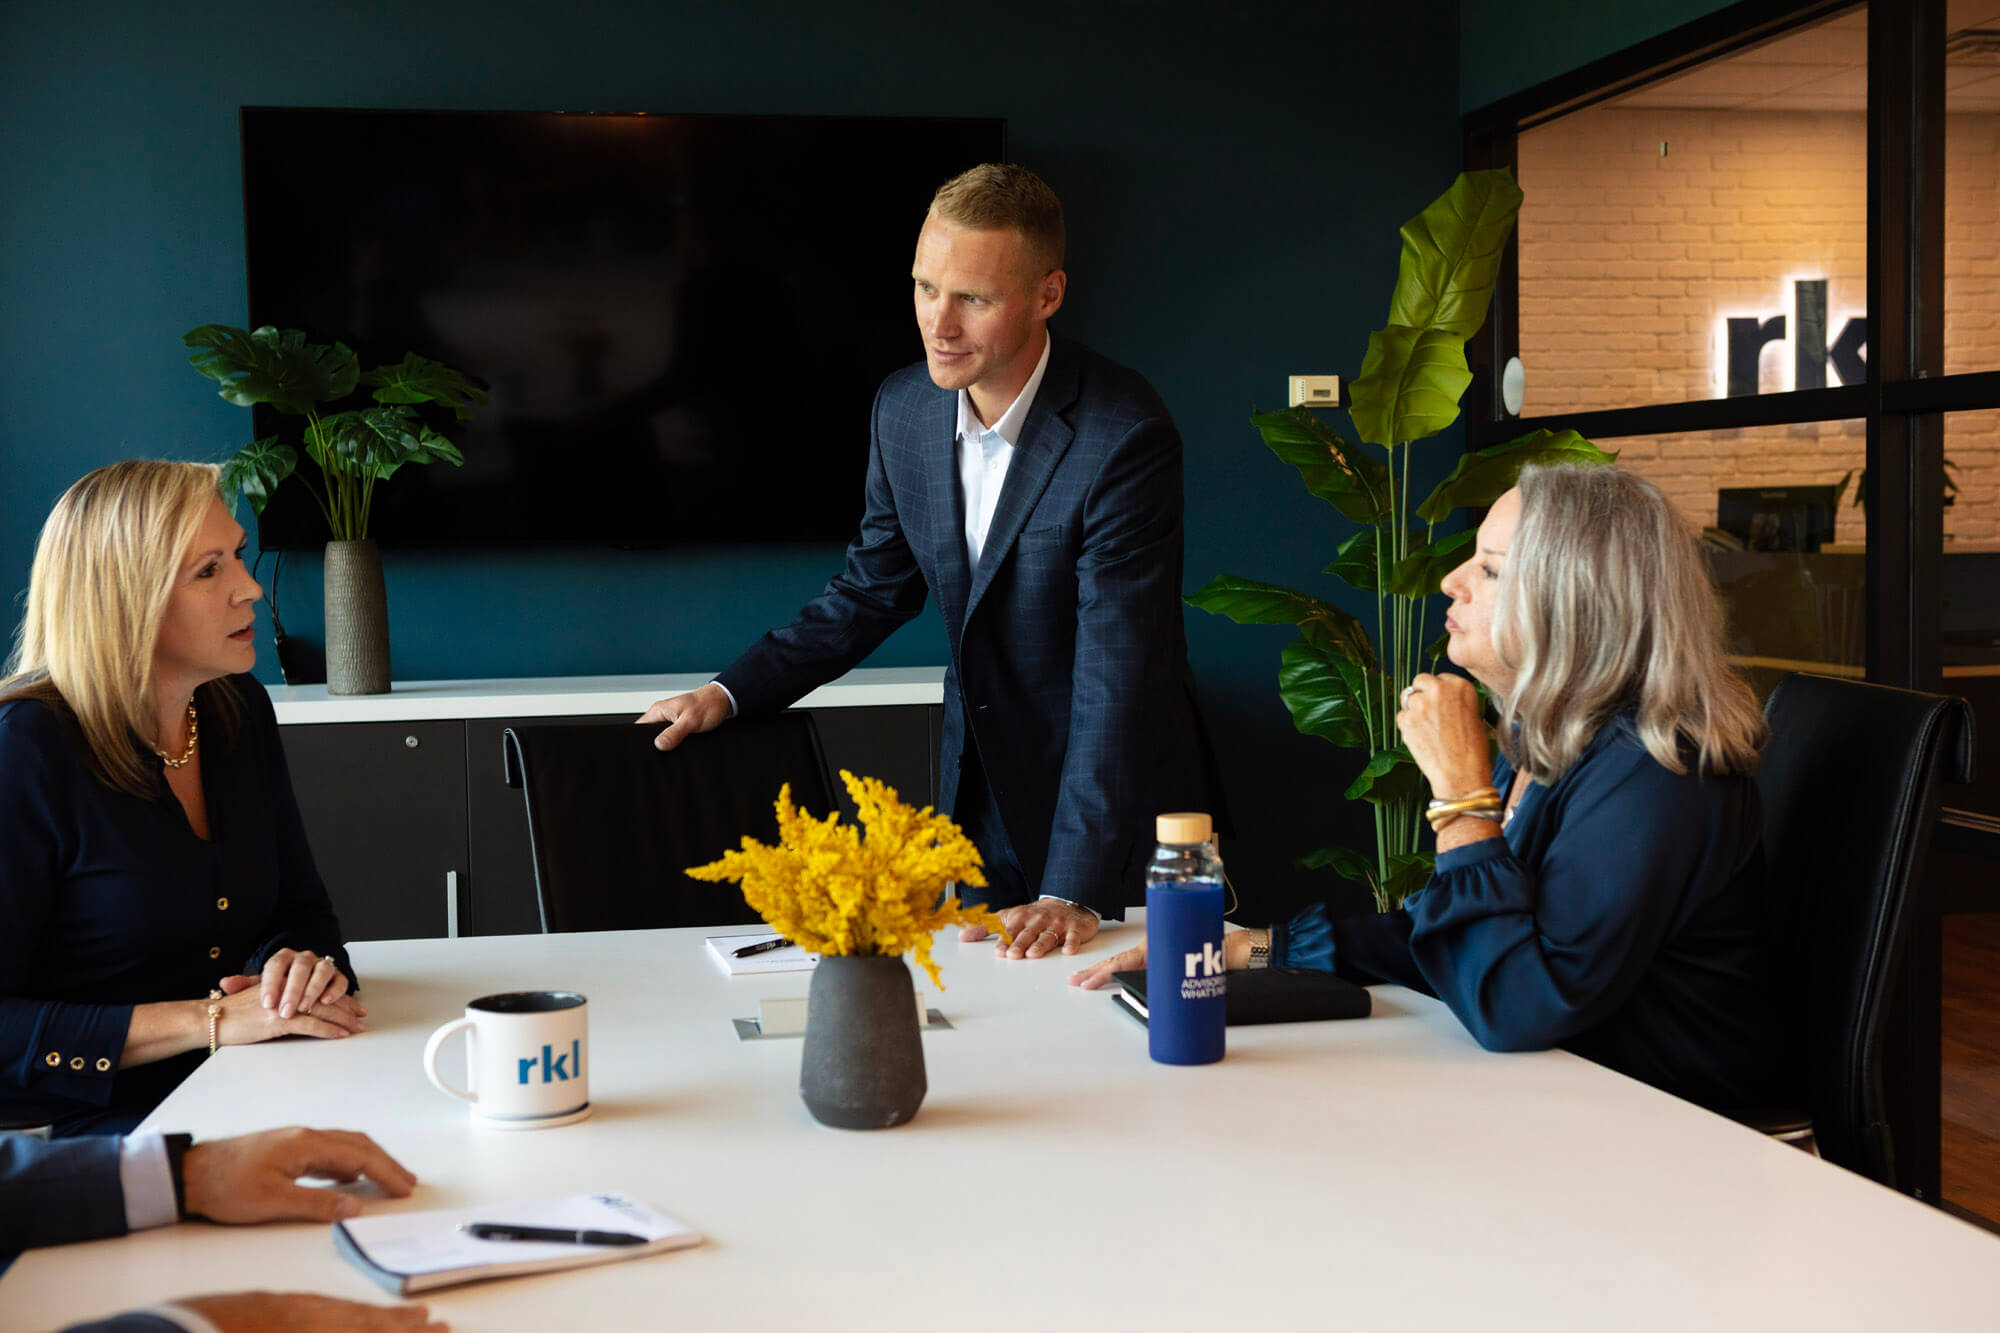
[[194, 735]]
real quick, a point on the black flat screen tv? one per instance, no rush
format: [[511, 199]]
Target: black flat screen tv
[[682, 320]]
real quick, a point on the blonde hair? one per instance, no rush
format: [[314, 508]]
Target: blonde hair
[[996, 195], [1605, 605], [104, 569]]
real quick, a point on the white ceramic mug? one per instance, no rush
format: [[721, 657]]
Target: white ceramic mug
[[527, 1058]]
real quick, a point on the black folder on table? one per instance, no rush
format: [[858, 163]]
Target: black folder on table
[[1266, 995]]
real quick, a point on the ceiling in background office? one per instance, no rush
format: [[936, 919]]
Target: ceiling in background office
[[1825, 68]]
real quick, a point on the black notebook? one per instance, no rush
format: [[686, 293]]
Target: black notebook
[[1267, 995]]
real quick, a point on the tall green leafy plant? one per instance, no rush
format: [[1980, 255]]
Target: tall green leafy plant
[[1341, 677], [352, 448]]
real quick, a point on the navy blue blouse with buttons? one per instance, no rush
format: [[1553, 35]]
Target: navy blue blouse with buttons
[[107, 901], [1622, 916]]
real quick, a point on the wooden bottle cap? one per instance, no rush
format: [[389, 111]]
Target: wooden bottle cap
[[1183, 828]]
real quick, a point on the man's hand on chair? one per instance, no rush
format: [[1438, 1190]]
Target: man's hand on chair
[[703, 710]]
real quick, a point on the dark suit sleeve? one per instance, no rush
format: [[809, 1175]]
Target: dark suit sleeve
[[1128, 659], [304, 917], [878, 590], [53, 1193], [37, 825]]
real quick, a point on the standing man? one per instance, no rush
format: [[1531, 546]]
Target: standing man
[[1034, 488]]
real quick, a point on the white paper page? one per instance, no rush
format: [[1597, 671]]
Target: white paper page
[[431, 1242], [791, 958]]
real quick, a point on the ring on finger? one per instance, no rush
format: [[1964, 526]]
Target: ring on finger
[[1408, 690]]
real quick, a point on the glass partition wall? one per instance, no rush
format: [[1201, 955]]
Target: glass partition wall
[[1760, 257]]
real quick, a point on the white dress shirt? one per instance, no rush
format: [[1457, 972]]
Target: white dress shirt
[[984, 453]]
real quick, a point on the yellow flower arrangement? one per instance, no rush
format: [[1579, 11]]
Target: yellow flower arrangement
[[877, 889]]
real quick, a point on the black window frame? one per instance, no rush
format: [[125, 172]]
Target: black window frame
[[1903, 403]]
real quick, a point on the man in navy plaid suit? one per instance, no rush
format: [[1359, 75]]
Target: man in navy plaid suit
[[1034, 488]]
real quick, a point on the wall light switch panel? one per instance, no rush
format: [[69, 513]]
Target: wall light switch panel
[[1315, 391]]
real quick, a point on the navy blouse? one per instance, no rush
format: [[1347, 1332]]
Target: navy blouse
[[1622, 916], [107, 901]]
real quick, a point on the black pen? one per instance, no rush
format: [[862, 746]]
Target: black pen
[[765, 946], [506, 1231]]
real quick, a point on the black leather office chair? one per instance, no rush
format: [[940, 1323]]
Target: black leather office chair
[[614, 822], [1850, 788]]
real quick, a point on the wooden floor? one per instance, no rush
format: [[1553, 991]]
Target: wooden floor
[[1970, 1079]]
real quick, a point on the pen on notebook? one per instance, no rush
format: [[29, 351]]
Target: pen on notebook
[[504, 1231], [764, 946]]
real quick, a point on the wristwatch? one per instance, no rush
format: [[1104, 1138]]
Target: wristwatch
[[1260, 947]]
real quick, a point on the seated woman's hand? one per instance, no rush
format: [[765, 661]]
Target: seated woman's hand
[[1094, 976], [246, 1020], [295, 980]]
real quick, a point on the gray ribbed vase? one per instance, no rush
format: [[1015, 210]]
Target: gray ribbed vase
[[357, 620], [863, 1066]]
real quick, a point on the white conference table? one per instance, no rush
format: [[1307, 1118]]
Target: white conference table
[[1378, 1174]]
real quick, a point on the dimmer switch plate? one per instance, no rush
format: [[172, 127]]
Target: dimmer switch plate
[[1315, 391]]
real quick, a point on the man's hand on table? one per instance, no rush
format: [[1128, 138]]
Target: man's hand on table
[[254, 1177], [700, 710], [1040, 928], [299, 1312]]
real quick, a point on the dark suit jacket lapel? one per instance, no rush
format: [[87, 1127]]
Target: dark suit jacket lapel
[[1044, 440], [940, 471]]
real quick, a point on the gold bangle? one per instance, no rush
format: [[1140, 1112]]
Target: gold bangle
[[1443, 809], [1471, 795], [214, 1018]]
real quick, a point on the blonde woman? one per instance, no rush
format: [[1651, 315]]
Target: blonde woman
[[150, 848], [1599, 885]]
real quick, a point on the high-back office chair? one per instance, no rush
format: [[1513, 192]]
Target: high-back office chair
[[1849, 782], [613, 822]]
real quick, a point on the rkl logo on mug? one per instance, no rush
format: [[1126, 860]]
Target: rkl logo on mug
[[555, 1068]]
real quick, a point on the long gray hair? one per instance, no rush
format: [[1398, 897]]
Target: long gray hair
[[1604, 605]]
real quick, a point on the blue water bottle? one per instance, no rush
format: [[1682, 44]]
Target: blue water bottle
[[1184, 972]]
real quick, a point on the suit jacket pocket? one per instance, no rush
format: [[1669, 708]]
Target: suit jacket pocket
[[1034, 539]]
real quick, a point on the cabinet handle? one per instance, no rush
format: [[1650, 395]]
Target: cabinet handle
[[450, 899], [410, 742]]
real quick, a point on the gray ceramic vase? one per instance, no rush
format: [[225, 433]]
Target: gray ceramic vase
[[357, 620], [863, 1066]]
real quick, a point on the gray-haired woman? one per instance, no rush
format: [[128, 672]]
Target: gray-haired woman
[[1600, 885]]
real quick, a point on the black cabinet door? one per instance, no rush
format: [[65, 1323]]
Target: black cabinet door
[[384, 809]]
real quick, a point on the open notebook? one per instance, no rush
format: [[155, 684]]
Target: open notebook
[[413, 1252]]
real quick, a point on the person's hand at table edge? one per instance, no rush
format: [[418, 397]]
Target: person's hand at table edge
[[1235, 957], [687, 714], [1040, 928], [254, 1177], [303, 1312]]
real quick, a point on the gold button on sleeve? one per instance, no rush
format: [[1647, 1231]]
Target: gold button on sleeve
[[53, 1059], [103, 1064], [76, 1062], [215, 951], [222, 904]]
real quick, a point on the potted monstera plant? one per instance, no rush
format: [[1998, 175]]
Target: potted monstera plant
[[354, 441], [1341, 676]]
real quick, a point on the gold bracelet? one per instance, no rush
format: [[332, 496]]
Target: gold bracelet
[[214, 1018], [1441, 811], [1471, 795]]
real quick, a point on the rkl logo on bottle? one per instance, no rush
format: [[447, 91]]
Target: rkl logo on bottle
[[1209, 961], [555, 1068], [1810, 354]]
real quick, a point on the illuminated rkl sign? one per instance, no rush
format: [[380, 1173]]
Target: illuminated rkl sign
[[1748, 334]]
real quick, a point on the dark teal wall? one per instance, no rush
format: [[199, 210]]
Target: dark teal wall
[[1234, 177], [1507, 45]]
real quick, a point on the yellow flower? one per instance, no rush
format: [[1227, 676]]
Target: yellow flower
[[879, 889]]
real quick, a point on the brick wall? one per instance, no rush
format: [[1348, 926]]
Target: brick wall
[[1631, 261]]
